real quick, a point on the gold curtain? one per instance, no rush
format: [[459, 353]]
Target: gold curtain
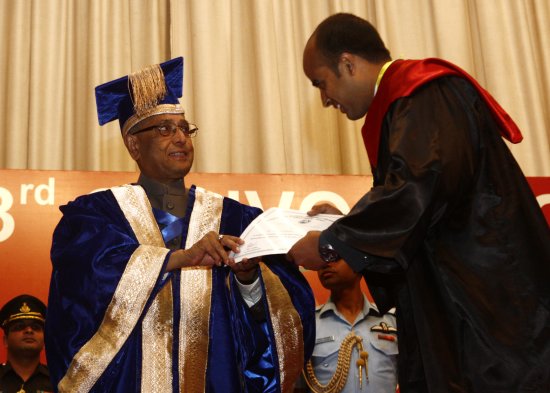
[[54, 52], [243, 79]]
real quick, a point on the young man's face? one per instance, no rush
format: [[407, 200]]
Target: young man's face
[[24, 337], [344, 91], [163, 158]]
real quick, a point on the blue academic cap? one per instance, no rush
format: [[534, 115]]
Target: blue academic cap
[[151, 91]]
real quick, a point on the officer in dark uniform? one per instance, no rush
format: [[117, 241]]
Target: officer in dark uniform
[[22, 320]]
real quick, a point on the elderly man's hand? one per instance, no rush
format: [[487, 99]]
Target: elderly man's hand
[[209, 251]]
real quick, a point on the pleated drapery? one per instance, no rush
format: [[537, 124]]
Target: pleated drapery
[[243, 80]]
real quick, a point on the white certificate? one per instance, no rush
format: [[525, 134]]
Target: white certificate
[[276, 230]]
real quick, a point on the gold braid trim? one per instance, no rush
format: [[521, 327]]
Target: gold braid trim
[[196, 296], [127, 303], [157, 337], [340, 376], [287, 329], [162, 109]]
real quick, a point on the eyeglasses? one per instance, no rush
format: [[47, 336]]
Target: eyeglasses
[[169, 129]]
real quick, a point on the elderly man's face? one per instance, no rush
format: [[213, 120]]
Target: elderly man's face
[[162, 158], [24, 337]]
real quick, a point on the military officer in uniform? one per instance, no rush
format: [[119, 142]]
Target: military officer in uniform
[[355, 346], [22, 320]]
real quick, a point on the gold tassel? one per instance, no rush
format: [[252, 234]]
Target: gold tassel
[[148, 88]]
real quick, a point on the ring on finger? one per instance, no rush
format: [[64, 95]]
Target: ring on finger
[[220, 237]]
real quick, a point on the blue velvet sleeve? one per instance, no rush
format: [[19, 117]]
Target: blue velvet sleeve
[[294, 281], [91, 247], [253, 341], [236, 217], [300, 294]]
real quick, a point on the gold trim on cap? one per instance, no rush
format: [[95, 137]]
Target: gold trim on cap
[[171, 109], [16, 317]]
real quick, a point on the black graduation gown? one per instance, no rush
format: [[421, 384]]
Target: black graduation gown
[[452, 235]]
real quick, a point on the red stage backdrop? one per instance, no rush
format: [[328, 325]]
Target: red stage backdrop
[[30, 200]]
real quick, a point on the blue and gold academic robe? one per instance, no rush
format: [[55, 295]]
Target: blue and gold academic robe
[[118, 322]]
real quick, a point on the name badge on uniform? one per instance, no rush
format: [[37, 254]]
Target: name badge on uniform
[[324, 340]]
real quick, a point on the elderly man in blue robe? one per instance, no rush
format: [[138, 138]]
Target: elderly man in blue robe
[[143, 295]]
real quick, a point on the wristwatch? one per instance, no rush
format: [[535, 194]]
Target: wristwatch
[[327, 252]]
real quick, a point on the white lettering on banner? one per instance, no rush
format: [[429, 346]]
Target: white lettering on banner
[[50, 192], [233, 195], [44, 194], [49, 189], [24, 192], [284, 203], [253, 198], [8, 223], [287, 197]]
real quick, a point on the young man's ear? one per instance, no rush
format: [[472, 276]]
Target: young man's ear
[[348, 61], [132, 144]]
